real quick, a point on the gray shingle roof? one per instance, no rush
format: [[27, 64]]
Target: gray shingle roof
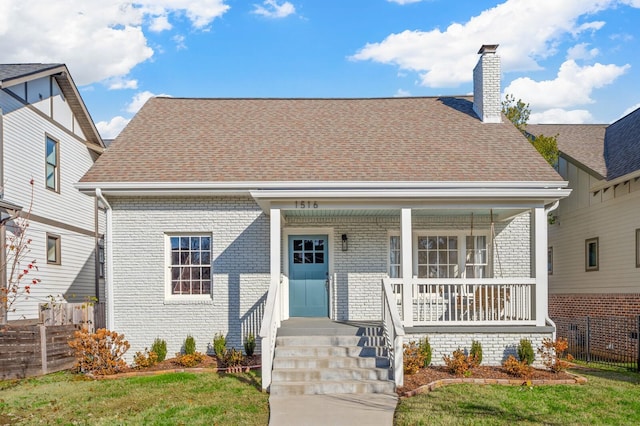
[[11, 71], [622, 146], [582, 142], [331, 140]]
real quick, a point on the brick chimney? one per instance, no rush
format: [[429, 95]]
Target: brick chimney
[[486, 85]]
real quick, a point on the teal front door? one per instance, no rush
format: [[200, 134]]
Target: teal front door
[[308, 273]]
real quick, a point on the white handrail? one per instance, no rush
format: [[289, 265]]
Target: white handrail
[[269, 329], [394, 331]]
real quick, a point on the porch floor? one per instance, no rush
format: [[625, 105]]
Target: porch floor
[[322, 327]]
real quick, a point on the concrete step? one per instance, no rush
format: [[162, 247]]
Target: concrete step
[[328, 374], [331, 341], [332, 387], [306, 362], [327, 351]]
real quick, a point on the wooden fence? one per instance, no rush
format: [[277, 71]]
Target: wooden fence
[[32, 350], [88, 315]]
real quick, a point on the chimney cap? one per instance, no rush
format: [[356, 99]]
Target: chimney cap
[[488, 48]]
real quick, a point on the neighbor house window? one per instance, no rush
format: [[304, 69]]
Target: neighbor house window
[[394, 256], [52, 164], [550, 260], [101, 258], [53, 249], [591, 254], [637, 248], [190, 264]]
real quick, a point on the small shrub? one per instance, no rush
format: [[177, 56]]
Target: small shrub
[[189, 360], [219, 345], [234, 358], [424, 347], [525, 351], [145, 359], [189, 345], [551, 353], [249, 344], [476, 352], [160, 348], [413, 359], [100, 352], [517, 368], [459, 363]]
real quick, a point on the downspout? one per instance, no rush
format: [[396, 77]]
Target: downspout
[[547, 319], [108, 280]]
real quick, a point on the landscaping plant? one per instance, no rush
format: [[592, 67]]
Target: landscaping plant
[[249, 344], [424, 347], [160, 348], [460, 363], [145, 359], [100, 352], [551, 353], [476, 351], [219, 345], [517, 368], [189, 360], [234, 358], [525, 351], [189, 345], [413, 359]]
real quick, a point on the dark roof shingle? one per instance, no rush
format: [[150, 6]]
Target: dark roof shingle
[[622, 146], [281, 140], [11, 71]]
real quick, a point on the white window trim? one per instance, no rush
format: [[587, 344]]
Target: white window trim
[[188, 298], [462, 247]]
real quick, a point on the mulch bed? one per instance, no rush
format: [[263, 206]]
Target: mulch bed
[[427, 379]]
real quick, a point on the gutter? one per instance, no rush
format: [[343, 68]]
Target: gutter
[[548, 319], [108, 261]]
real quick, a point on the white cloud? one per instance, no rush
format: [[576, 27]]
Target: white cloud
[[272, 9], [111, 129], [400, 93], [179, 39], [580, 52], [572, 86], [160, 23], [97, 40], [630, 110], [119, 83], [561, 116], [139, 99], [444, 58]]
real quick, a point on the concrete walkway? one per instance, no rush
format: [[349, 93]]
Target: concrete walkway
[[335, 409]]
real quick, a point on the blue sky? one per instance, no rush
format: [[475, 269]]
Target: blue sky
[[574, 61]]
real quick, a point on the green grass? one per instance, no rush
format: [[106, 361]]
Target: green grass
[[167, 399], [609, 397]]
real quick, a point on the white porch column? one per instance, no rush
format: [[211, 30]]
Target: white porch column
[[407, 267], [275, 250], [542, 278]]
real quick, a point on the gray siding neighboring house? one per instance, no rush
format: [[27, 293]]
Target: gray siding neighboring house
[[212, 204], [46, 134], [594, 241]]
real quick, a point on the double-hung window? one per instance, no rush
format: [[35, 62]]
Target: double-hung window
[[395, 251], [52, 166], [53, 249], [190, 264]]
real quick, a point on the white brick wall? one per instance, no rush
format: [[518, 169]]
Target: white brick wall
[[496, 347], [512, 248], [240, 251]]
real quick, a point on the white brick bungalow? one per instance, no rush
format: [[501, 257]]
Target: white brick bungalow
[[232, 215]]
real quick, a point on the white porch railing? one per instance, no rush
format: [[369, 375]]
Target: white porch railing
[[333, 297], [393, 331], [273, 316], [468, 301]]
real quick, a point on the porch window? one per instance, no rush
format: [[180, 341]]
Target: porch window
[[438, 256], [190, 264], [591, 254], [476, 259], [395, 251]]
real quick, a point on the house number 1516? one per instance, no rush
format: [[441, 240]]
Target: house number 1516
[[306, 204]]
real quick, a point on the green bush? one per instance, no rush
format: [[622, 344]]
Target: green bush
[[160, 348], [424, 347], [219, 345], [525, 351], [249, 344], [234, 358], [189, 345], [476, 351]]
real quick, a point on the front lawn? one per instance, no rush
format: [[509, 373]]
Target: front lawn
[[609, 397], [172, 398]]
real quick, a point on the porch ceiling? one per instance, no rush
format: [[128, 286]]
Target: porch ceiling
[[499, 214]]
